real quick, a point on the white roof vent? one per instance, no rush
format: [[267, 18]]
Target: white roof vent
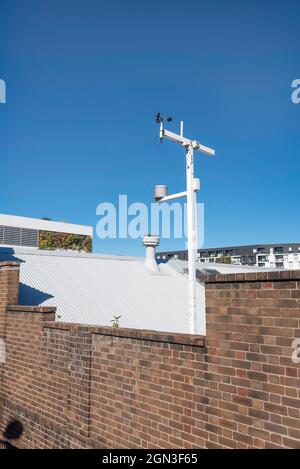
[[150, 242]]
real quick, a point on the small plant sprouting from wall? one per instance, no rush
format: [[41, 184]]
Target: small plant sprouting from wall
[[116, 321], [54, 240]]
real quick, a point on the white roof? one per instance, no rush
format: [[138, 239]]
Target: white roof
[[217, 267], [47, 225], [91, 289]]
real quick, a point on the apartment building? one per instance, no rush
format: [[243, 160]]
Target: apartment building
[[279, 256]]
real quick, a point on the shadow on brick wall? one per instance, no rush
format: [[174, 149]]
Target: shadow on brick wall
[[12, 432]]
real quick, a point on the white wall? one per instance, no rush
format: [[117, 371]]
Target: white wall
[[37, 224]]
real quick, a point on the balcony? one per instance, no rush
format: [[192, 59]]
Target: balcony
[[278, 257], [262, 258]]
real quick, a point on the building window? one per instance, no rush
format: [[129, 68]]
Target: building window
[[279, 257], [262, 258]]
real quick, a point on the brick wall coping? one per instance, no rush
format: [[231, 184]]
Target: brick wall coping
[[140, 334], [5, 264], [271, 276], [31, 309]]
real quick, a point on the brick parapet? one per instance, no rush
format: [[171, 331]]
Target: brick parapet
[[138, 334], [272, 276]]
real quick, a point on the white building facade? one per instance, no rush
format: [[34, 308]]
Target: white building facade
[[18, 231]]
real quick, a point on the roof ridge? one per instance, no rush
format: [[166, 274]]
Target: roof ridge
[[65, 253]]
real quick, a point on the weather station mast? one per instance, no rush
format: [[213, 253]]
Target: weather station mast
[[192, 186]]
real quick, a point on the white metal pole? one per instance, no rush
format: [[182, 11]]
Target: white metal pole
[[190, 146], [196, 227], [191, 231]]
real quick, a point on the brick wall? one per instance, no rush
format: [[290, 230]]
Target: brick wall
[[9, 291], [254, 386], [74, 386]]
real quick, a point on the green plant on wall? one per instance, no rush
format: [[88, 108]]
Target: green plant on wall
[[54, 240], [116, 321]]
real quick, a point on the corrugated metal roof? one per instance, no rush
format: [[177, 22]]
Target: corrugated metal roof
[[91, 289]]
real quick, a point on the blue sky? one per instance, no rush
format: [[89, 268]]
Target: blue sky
[[85, 79]]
